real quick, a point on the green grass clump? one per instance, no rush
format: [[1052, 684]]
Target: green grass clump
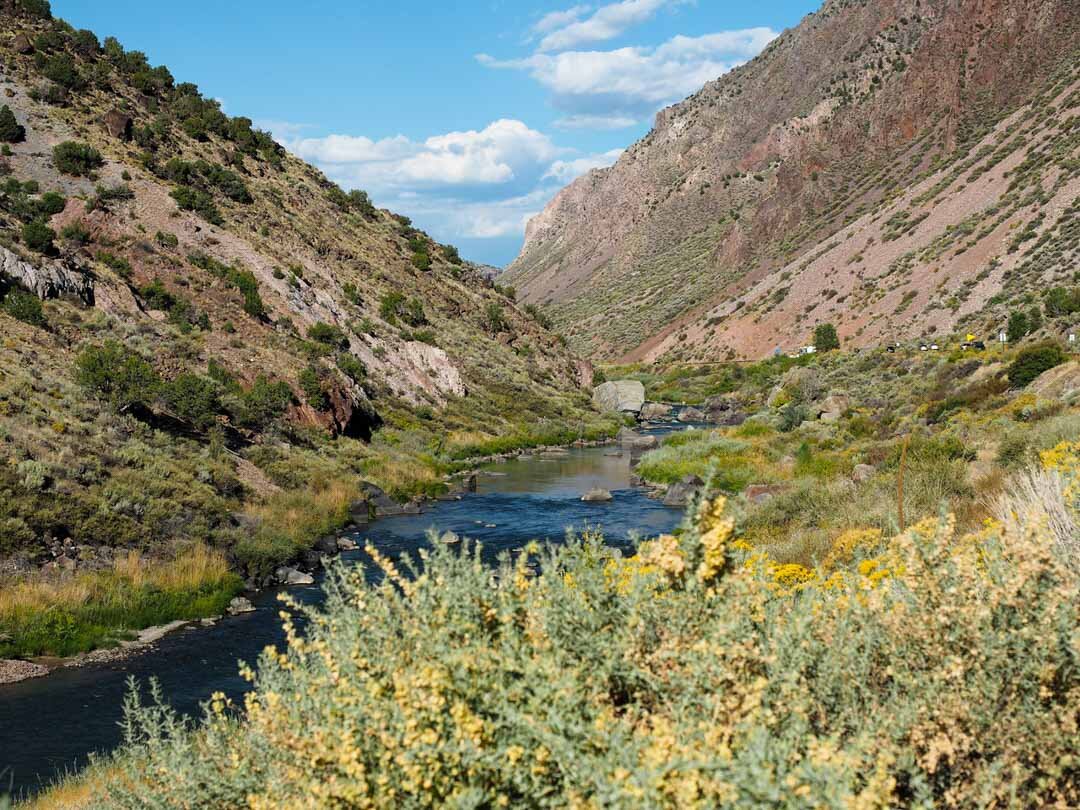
[[728, 463], [68, 615]]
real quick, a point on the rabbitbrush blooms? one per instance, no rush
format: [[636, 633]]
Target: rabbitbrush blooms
[[682, 677]]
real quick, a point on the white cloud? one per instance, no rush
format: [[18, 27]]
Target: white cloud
[[559, 19], [584, 121], [606, 23], [475, 185], [633, 82], [350, 149], [567, 170], [503, 152]]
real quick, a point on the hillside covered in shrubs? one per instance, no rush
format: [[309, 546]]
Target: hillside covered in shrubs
[[207, 349]]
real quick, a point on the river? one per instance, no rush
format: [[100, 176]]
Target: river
[[50, 725]]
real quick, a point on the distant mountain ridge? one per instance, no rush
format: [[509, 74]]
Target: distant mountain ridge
[[870, 168]]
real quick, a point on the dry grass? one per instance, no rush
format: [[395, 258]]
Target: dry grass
[[1038, 497], [189, 571]]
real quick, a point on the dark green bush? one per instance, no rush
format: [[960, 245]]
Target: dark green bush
[[11, 131], [62, 70], [265, 402], [77, 159], [825, 338], [51, 203], [421, 261], [75, 234], [166, 240], [157, 296], [193, 399], [311, 385], [352, 367], [117, 375], [494, 320], [193, 199], [24, 306], [116, 263], [38, 236], [1018, 326], [1033, 361], [327, 334]]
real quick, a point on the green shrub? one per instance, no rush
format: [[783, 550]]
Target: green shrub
[[312, 386], [117, 375], [193, 199], [61, 69], [494, 321], [157, 296], [75, 234], [77, 159], [51, 203], [825, 338], [260, 406], [328, 335], [38, 236], [11, 131], [193, 399], [166, 240], [1062, 301], [390, 306], [421, 261], [118, 264], [24, 306], [1033, 361], [352, 367], [1018, 326]]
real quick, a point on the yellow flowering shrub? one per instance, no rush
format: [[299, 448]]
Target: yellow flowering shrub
[[682, 677]]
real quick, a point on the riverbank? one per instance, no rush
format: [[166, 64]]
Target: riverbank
[[51, 722], [67, 618]]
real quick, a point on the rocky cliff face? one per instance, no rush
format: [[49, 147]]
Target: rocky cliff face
[[880, 152]]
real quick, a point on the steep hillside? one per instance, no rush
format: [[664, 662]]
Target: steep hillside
[[897, 167], [204, 341]]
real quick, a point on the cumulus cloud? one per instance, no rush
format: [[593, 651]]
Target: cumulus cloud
[[479, 185], [631, 83], [604, 24], [566, 170], [504, 152]]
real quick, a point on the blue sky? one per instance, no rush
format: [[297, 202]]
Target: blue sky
[[467, 116]]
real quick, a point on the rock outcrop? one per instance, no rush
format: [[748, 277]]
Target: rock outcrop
[[625, 396], [49, 279]]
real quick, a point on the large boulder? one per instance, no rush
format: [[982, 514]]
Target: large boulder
[[624, 396], [596, 496], [833, 407], [118, 124], [652, 411], [632, 440], [1061, 382], [691, 414], [288, 575], [724, 410], [682, 492]]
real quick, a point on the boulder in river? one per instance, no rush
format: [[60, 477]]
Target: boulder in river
[[288, 575], [691, 414], [652, 411], [240, 604], [597, 496], [624, 396], [635, 441], [346, 544], [682, 492]]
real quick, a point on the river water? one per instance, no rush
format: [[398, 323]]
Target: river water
[[50, 725]]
